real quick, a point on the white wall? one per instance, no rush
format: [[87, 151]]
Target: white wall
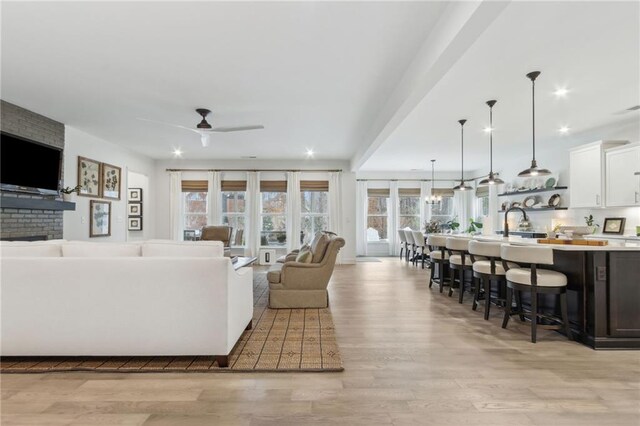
[[161, 185], [76, 223], [556, 159]]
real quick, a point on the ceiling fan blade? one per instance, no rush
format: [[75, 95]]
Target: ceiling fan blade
[[236, 129], [168, 124]]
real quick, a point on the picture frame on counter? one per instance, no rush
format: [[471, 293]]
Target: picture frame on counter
[[614, 225]]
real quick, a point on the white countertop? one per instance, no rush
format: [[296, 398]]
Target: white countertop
[[612, 237], [616, 246]]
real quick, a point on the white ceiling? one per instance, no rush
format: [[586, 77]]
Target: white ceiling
[[592, 48], [314, 74], [324, 75]]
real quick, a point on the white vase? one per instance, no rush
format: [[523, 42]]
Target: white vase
[[70, 197]]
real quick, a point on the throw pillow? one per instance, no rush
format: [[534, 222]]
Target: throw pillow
[[320, 248], [305, 256]]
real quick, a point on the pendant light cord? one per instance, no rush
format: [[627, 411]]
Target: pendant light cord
[[533, 103], [491, 141], [462, 150]]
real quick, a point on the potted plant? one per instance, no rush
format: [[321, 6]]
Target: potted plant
[[474, 227], [432, 227], [452, 224], [590, 221], [69, 193]]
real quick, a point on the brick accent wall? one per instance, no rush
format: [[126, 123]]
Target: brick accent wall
[[20, 223]]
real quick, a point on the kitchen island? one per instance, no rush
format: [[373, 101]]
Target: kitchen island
[[603, 291]]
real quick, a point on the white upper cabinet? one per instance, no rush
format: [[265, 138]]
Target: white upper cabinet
[[622, 184], [587, 174]]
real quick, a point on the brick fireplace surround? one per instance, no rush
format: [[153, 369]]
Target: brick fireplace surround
[[27, 223]]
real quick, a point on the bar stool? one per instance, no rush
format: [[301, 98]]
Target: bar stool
[[459, 261], [535, 281], [438, 256], [421, 245], [410, 244], [488, 271], [403, 242]]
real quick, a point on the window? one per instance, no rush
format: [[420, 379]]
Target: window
[[314, 215], [482, 201], [377, 217], [482, 206], [273, 216], [409, 208], [233, 211], [442, 211], [194, 202]]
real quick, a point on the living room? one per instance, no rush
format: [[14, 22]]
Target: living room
[[363, 160]]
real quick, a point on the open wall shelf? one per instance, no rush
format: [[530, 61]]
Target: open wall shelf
[[542, 209], [532, 191]]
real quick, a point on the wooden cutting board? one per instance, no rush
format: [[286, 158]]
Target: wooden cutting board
[[574, 242]]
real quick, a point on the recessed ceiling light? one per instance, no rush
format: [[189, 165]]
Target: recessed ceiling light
[[310, 153], [564, 130], [561, 92], [177, 152]]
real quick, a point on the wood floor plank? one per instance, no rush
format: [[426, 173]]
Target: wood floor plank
[[411, 355]]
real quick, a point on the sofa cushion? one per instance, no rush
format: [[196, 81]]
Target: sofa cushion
[[30, 249], [320, 247], [305, 256], [92, 249], [182, 249], [273, 276]]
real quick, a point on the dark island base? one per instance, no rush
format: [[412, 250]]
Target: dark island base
[[603, 297]]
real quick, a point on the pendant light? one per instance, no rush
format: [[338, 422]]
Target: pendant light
[[534, 170], [462, 186], [492, 179], [433, 199]]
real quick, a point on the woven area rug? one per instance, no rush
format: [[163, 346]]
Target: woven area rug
[[294, 340]]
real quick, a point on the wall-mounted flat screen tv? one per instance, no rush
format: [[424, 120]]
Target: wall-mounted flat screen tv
[[28, 166]]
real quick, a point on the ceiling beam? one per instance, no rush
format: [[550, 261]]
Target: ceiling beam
[[457, 29]]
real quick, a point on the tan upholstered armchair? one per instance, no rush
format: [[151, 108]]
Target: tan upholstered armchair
[[304, 285]]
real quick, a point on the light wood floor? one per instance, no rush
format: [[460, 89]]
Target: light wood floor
[[411, 356]]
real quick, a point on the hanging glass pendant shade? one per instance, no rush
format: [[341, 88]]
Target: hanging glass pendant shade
[[462, 186], [534, 170], [492, 179]]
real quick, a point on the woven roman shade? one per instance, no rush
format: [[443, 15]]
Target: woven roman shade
[[194, 186], [382, 192], [409, 192], [273, 186], [233, 185], [314, 185], [482, 191], [442, 192]]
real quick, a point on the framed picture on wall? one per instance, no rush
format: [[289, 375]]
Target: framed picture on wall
[[100, 218], [111, 178], [613, 225], [89, 177], [135, 224], [135, 195], [134, 209]]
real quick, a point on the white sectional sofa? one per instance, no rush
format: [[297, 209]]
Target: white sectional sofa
[[112, 299]]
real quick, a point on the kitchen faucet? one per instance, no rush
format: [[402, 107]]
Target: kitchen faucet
[[506, 224]]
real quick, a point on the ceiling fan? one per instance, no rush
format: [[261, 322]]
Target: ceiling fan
[[204, 129]]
